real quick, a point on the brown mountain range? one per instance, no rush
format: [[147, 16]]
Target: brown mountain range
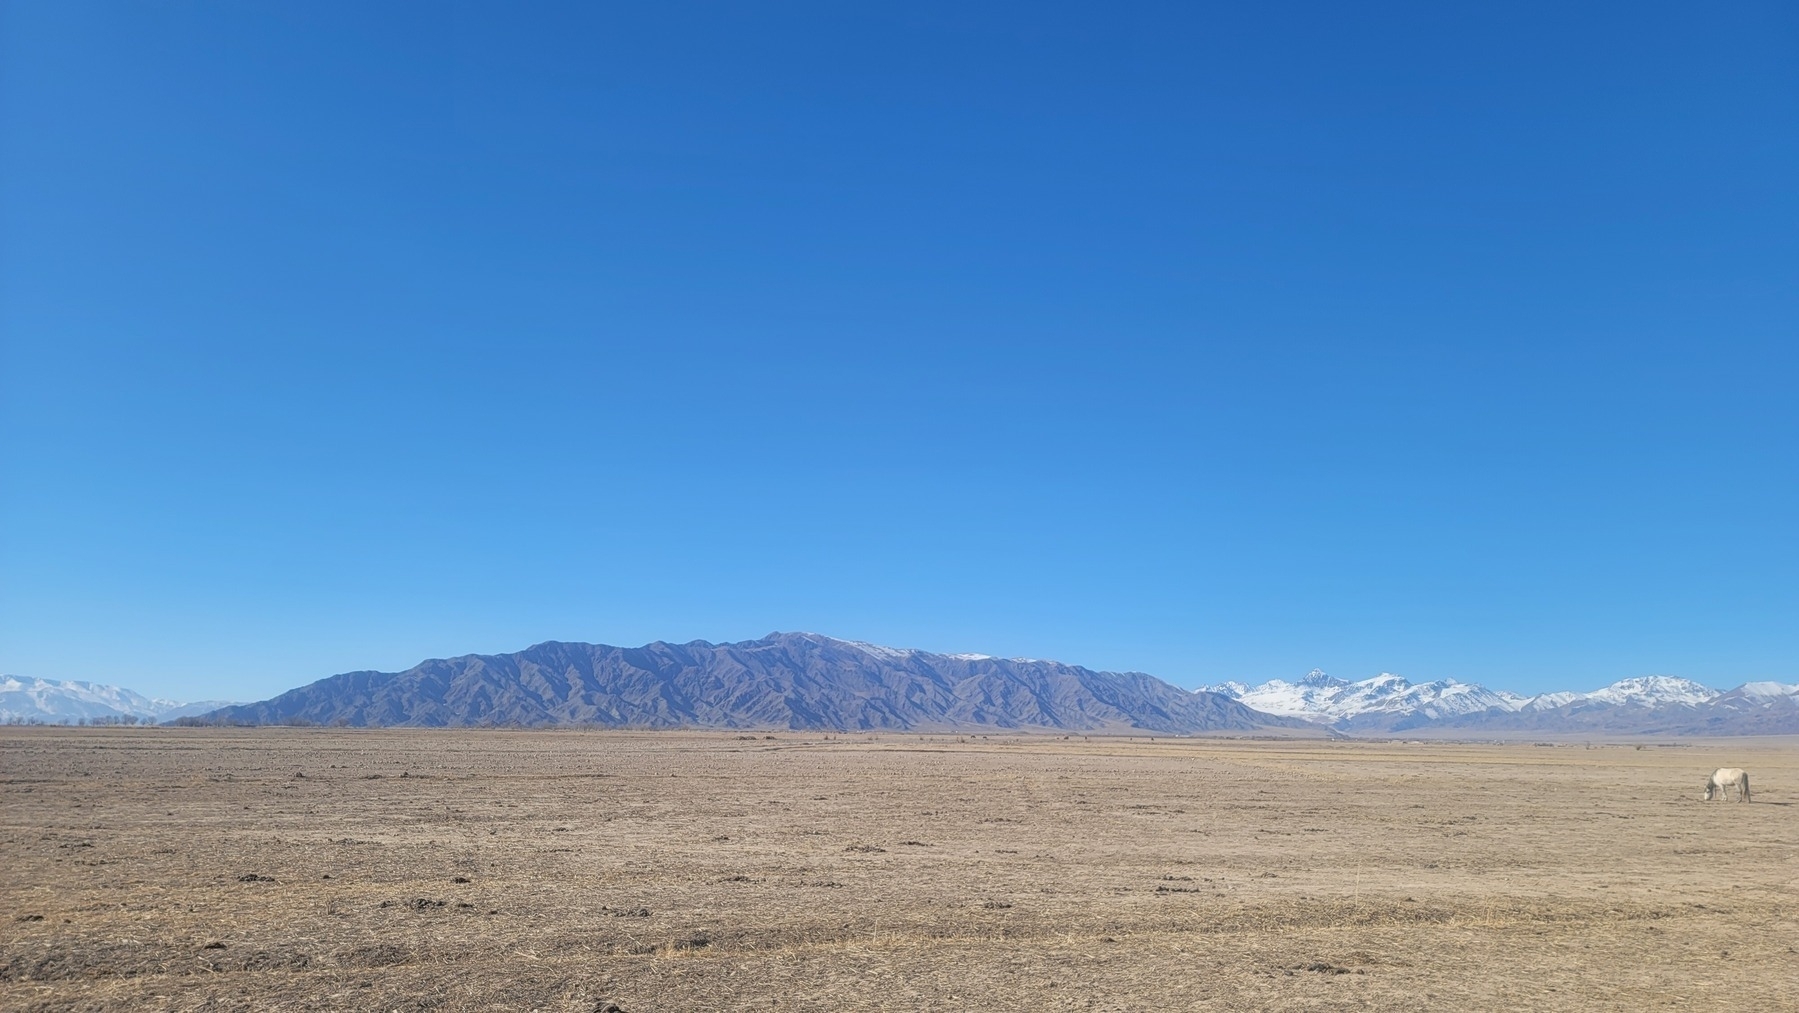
[[784, 680]]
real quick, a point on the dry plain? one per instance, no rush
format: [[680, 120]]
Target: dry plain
[[302, 869]]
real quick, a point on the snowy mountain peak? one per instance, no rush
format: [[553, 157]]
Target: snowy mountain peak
[[1549, 701], [1654, 691], [1316, 679]]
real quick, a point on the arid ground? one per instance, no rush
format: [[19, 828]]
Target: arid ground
[[302, 869]]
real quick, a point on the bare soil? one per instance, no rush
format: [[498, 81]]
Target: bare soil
[[314, 869]]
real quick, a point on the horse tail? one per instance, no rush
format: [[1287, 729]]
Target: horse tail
[[1744, 787]]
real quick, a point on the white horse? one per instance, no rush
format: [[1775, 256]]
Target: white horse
[[1725, 778]]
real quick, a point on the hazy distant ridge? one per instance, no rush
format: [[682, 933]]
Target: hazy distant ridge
[[785, 680]]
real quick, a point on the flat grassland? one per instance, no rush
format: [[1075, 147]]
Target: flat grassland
[[301, 869]]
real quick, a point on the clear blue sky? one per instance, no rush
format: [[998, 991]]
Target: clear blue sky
[[1215, 341]]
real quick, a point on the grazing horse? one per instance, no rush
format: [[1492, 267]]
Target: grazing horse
[[1725, 778]]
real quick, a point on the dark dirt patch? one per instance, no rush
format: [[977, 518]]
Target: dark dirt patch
[[376, 955], [270, 960], [1320, 967], [66, 962]]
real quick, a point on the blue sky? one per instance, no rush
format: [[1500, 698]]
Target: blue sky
[[1215, 341]]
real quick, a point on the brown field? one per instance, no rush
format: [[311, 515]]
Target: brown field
[[290, 869]]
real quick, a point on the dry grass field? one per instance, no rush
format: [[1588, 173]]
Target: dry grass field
[[304, 869]]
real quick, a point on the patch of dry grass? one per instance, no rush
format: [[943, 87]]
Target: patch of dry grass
[[298, 869]]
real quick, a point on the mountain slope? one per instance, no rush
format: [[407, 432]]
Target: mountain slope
[[785, 680]]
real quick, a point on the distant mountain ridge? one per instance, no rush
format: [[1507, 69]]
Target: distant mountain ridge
[[67, 701], [810, 681], [1658, 704], [784, 680]]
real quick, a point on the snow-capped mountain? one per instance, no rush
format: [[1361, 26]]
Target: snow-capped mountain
[[1653, 691], [1319, 697], [1547, 701], [1768, 690], [67, 701], [1388, 702]]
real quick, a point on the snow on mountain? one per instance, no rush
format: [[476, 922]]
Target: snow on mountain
[[1390, 702], [1653, 691], [1768, 690], [872, 650], [1322, 698], [58, 700], [195, 709], [65, 701], [1549, 701], [902, 653], [876, 650]]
